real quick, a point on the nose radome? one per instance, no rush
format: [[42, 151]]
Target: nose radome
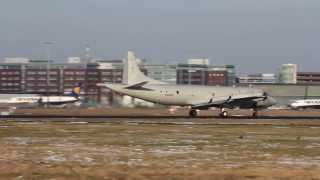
[[271, 101]]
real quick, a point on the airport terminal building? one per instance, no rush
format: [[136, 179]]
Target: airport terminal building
[[32, 77]]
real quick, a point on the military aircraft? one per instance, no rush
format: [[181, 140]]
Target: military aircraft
[[137, 85]]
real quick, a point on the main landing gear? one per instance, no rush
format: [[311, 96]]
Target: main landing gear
[[255, 113], [223, 113], [193, 113]]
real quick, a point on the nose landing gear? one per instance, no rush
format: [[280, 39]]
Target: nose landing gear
[[223, 113]]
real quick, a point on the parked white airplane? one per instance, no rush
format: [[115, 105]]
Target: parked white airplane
[[37, 99], [137, 85], [305, 103]]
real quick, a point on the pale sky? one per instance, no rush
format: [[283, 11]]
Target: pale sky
[[255, 35]]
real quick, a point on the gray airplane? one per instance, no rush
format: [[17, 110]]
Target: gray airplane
[[137, 85]]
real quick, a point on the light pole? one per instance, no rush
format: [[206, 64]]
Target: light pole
[[48, 53]]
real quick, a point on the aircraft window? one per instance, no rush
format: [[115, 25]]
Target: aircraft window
[[213, 94], [177, 92]]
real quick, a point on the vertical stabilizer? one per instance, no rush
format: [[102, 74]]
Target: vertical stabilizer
[[132, 73], [76, 90]]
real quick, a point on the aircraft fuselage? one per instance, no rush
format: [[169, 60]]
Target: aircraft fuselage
[[186, 95]]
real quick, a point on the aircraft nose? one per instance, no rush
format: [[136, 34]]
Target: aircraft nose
[[271, 101], [268, 101]]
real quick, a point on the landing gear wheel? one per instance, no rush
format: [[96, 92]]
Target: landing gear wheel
[[193, 113], [254, 114], [224, 114]]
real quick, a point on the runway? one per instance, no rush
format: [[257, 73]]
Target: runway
[[154, 113], [210, 122]]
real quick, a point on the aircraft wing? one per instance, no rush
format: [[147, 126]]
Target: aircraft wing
[[230, 102]]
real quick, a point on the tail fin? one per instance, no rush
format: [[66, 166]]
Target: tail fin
[[76, 90], [132, 73]]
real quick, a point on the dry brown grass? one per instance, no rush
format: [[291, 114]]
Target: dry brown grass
[[152, 151]]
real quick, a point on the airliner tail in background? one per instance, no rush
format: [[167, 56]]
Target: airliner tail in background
[[76, 91]]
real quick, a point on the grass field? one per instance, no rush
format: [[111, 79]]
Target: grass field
[[130, 150]]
